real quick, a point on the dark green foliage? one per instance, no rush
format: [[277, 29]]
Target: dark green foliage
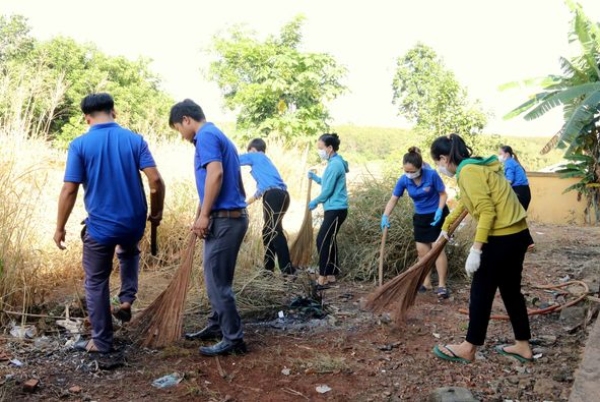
[[276, 89]]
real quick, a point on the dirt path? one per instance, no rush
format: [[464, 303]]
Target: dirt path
[[355, 354]]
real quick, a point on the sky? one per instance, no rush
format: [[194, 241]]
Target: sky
[[485, 43]]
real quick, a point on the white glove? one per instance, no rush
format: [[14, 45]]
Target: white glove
[[473, 261], [443, 234]]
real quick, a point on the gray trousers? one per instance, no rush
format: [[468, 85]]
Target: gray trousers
[[221, 248], [97, 265]]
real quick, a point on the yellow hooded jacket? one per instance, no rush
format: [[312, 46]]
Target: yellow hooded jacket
[[489, 198]]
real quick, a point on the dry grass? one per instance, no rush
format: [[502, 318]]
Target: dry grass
[[321, 363], [360, 236], [36, 275]]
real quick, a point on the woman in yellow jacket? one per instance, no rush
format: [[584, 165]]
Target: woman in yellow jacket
[[496, 257]]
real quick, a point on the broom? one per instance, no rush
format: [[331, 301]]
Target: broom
[[381, 251], [400, 293], [161, 322], [301, 249]]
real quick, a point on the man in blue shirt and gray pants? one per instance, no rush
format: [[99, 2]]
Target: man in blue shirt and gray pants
[[107, 160], [276, 201], [222, 223]]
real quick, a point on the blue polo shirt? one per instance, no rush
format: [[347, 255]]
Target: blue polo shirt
[[213, 146], [263, 171], [514, 173], [107, 160], [426, 195]]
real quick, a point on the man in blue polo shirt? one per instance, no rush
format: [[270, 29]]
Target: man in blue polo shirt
[[107, 160], [222, 223], [276, 201]]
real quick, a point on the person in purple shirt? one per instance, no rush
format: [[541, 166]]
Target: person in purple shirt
[[275, 201], [107, 161], [428, 193], [222, 223]]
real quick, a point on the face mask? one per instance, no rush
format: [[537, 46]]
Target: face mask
[[443, 170], [413, 175], [323, 154], [502, 158]]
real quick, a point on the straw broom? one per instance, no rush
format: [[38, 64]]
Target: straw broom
[[301, 249], [399, 294], [161, 322]]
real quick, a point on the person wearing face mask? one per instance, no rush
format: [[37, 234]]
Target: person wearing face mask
[[334, 197], [496, 257], [428, 193], [516, 176]]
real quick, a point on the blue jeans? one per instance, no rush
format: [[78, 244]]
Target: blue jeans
[[97, 265]]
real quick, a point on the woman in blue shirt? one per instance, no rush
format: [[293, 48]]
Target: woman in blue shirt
[[276, 201], [516, 176], [334, 198], [428, 193]]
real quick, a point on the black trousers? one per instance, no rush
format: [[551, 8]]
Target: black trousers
[[327, 241], [524, 195], [275, 204], [501, 268]]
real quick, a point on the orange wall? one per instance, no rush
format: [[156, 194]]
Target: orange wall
[[550, 205]]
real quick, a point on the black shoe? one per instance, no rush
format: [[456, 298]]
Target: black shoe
[[224, 348], [205, 334]]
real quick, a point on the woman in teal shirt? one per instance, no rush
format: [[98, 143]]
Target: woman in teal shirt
[[334, 197]]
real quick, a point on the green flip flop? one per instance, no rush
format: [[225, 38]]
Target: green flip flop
[[451, 358], [500, 349]]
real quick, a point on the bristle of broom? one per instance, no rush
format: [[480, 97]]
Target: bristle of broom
[[160, 324], [399, 294], [302, 247]]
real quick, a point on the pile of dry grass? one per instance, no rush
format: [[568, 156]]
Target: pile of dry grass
[[360, 236]]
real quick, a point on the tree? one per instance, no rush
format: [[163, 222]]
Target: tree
[[577, 90], [276, 89], [428, 94], [15, 41], [140, 104]]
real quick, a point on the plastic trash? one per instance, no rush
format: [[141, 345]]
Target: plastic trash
[[23, 331], [168, 381], [323, 389], [74, 326], [16, 362]]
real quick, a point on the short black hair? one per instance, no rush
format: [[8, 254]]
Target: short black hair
[[413, 156], [100, 102], [331, 139], [258, 144], [184, 108]]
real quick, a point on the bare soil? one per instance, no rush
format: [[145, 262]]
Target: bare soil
[[360, 357]]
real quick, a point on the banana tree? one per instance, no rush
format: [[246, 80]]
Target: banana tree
[[577, 91]]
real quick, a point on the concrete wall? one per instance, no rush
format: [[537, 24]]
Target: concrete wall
[[550, 205]]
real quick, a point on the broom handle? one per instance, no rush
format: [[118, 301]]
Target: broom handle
[[457, 222], [153, 241], [309, 186], [381, 250]]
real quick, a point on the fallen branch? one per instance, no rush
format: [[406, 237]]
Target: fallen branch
[[294, 392], [23, 314], [550, 309], [222, 372]]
